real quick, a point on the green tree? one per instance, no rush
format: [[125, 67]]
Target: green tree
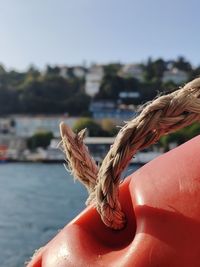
[[110, 87], [2, 70], [168, 86], [109, 127], [78, 104], [94, 129], [153, 70], [195, 73], [149, 90], [46, 96], [53, 94], [112, 69], [182, 64], [39, 139], [52, 70], [8, 101]]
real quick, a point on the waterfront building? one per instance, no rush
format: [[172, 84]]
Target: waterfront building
[[117, 115], [26, 126], [11, 146], [64, 72], [175, 75], [133, 71], [7, 126], [101, 104], [108, 109], [79, 72], [133, 95]]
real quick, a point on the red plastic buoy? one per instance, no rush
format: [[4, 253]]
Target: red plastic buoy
[[162, 205]]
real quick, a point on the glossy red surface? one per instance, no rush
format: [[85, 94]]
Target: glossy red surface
[[162, 205]]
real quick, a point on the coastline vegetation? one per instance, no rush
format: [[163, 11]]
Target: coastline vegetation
[[47, 92]]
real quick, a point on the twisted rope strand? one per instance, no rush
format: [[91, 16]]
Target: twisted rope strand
[[80, 163]]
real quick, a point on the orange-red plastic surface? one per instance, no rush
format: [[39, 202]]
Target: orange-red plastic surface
[[162, 205]]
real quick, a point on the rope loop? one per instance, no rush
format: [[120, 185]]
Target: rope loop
[[164, 115]]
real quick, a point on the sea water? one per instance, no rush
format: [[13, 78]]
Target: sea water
[[36, 200]]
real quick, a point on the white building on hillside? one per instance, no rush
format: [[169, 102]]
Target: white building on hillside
[[93, 79], [64, 72], [175, 75], [132, 70], [79, 72], [76, 71]]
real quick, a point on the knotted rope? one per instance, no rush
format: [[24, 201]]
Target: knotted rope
[[163, 115]]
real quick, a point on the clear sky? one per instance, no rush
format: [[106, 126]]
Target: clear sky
[[70, 32]]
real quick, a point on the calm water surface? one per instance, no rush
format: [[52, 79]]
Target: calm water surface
[[36, 200]]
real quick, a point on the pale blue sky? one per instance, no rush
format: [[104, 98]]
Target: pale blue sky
[[71, 31]]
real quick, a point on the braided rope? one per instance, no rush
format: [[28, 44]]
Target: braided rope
[[164, 115]]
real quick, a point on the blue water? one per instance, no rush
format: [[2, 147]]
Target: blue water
[[36, 200]]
